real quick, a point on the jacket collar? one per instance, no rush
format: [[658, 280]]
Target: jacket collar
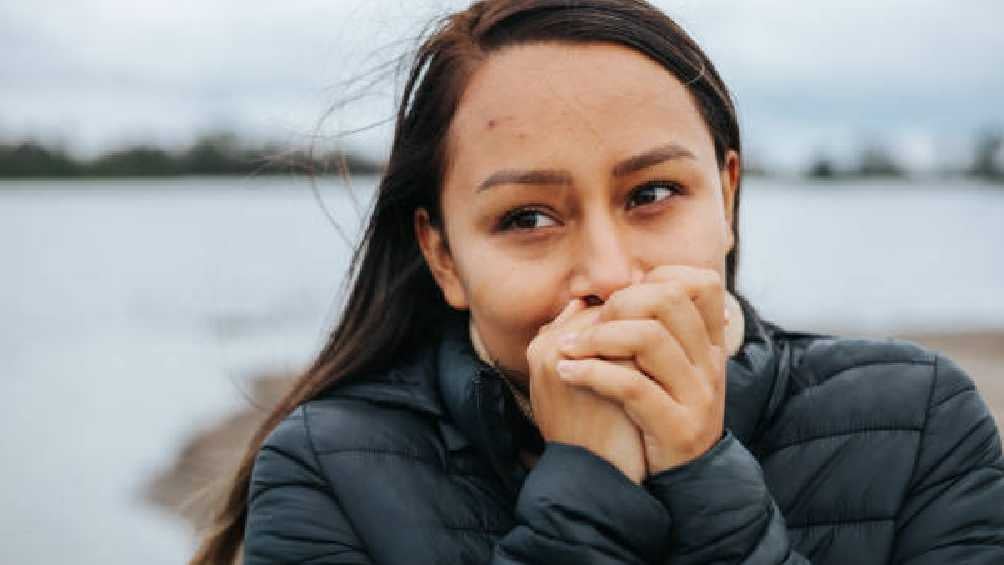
[[757, 377], [480, 405]]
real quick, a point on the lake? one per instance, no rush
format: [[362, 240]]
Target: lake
[[133, 309]]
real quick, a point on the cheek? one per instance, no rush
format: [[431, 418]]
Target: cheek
[[698, 237], [510, 299], [517, 296]]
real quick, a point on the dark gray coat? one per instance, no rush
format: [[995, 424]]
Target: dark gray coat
[[837, 451]]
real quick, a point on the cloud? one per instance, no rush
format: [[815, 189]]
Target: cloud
[[96, 72]]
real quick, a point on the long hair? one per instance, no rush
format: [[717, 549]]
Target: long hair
[[394, 305]]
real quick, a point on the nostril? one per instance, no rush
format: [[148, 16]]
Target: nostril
[[593, 300]]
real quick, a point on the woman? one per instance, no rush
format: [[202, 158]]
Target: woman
[[543, 358]]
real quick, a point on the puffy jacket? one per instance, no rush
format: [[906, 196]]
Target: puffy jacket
[[837, 451]]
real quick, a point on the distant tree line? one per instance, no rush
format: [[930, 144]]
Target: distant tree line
[[213, 154], [989, 161], [226, 154], [875, 160]]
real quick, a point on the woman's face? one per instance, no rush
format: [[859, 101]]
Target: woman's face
[[573, 170]]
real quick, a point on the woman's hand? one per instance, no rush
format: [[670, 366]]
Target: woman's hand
[[671, 325], [572, 414]]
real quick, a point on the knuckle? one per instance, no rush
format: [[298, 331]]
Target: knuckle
[[664, 272], [652, 333], [586, 371], [632, 390], [687, 440], [614, 305], [674, 293], [712, 280]]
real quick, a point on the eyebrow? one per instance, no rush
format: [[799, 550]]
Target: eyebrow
[[542, 176], [630, 165], [651, 158]]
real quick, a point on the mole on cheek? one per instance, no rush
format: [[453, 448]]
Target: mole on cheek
[[491, 124]]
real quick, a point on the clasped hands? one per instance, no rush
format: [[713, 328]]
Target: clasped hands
[[640, 379]]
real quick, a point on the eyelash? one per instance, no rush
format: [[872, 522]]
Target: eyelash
[[509, 219], [673, 187]]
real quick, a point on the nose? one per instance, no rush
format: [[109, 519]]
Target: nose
[[604, 263]]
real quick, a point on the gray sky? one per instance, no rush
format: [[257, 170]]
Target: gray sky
[[922, 76]]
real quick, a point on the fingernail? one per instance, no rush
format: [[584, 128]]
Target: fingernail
[[566, 369], [727, 315]]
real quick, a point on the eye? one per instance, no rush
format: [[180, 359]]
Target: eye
[[526, 219], [651, 193]]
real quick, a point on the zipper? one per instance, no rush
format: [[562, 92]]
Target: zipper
[[492, 437]]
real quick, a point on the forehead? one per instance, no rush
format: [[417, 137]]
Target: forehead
[[545, 100]]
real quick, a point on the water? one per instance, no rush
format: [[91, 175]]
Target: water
[[131, 308], [876, 258]]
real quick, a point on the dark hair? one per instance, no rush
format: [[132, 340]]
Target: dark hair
[[393, 300]]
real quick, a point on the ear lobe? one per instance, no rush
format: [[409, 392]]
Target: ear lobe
[[438, 257]]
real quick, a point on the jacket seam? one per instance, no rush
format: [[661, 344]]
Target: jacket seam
[[920, 442], [333, 554], [838, 523], [315, 541], [947, 399], [765, 531], [597, 548], [801, 441], [417, 458], [874, 364], [949, 479], [309, 436], [324, 477], [470, 529], [363, 450], [289, 455], [270, 487]]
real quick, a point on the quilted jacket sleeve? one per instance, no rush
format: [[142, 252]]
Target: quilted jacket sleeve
[[575, 508], [954, 509], [721, 511], [292, 515]]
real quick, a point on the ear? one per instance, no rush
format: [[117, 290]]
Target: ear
[[730, 174], [432, 242]]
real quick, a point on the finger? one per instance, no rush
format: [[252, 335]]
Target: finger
[[575, 305], [706, 289], [645, 402], [719, 371], [655, 351], [574, 316], [579, 320], [670, 304]]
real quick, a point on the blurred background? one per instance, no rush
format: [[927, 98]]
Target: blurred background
[[167, 263]]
